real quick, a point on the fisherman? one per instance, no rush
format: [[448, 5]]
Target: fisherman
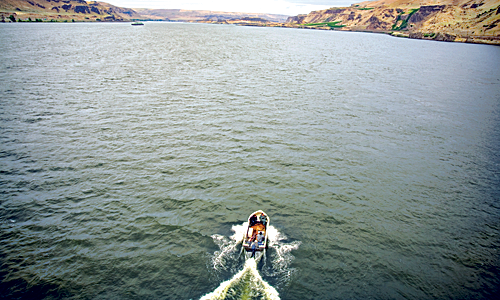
[[260, 237], [263, 219], [253, 220], [254, 236], [255, 244]]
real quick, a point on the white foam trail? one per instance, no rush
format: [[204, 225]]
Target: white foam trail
[[273, 235], [227, 247], [239, 232], [283, 257], [282, 260], [247, 284]]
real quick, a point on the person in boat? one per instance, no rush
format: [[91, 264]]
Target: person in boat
[[253, 220], [255, 244], [260, 237], [254, 236], [263, 219]]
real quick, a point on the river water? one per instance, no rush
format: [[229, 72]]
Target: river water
[[131, 157]]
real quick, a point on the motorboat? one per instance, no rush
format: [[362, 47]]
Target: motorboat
[[255, 238], [137, 23]]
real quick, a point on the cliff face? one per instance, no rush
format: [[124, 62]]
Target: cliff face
[[65, 9], [80, 10], [205, 15], [476, 21], [450, 20]]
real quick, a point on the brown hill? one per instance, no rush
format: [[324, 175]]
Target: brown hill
[[450, 20], [418, 3], [80, 10], [476, 21], [57, 10], [182, 15]]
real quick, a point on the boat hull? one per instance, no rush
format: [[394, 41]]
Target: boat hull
[[256, 226]]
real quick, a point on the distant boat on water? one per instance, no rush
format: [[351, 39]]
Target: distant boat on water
[[137, 23]]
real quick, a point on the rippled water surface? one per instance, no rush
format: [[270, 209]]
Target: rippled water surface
[[130, 156]]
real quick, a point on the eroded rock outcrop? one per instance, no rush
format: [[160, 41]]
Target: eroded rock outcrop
[[73, 9], [442, 20], [82, 9], [424, 12]]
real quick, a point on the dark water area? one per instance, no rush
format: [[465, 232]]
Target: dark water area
[[130, 156]]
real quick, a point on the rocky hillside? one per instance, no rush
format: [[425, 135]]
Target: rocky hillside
[[58, 10], [205, 15], [476, 21], [80, 10]]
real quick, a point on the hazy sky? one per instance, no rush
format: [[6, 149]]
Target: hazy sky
[[286, 7]]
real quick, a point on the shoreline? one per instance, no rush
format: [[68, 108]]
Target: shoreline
[[438, 37]]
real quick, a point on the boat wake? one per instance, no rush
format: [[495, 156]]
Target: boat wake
[[248, 283]]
